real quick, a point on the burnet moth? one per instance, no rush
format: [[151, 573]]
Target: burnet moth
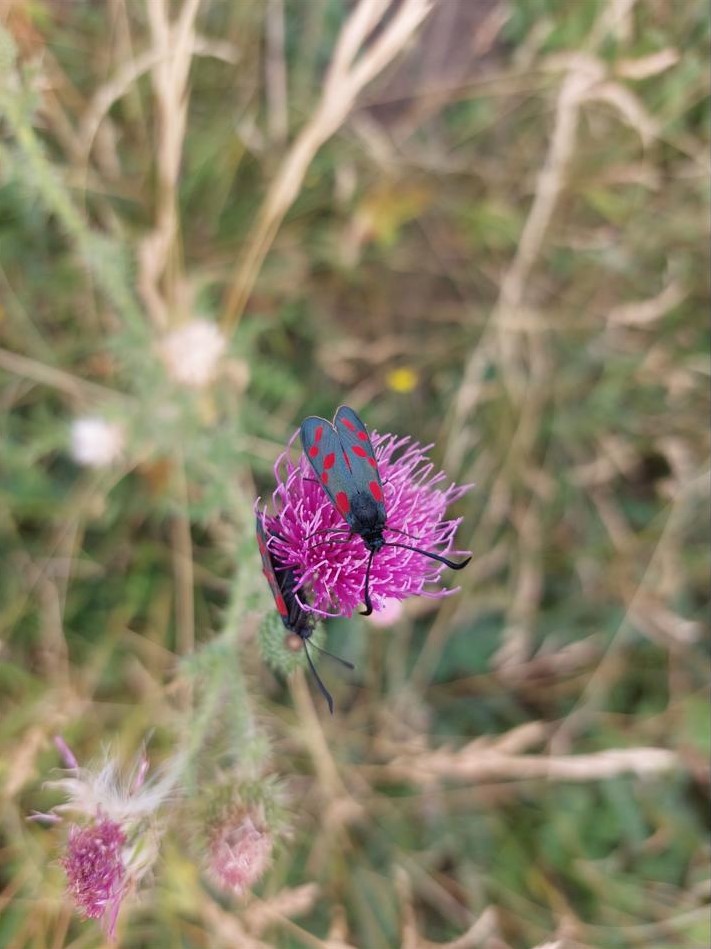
[[343, 459], [281, 581]]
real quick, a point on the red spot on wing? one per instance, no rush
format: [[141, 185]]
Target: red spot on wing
[[363, 436], [349, 425], [324, 477], [360, 451], [281, 605], [313, 451], [318, 433], [342, 502], [329, 460], [372, 462], [376, 491]]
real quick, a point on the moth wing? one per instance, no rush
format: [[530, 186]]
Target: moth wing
[[358, 449], [270, 572], [325, 453]]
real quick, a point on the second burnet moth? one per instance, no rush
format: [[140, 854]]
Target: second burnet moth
[[342, 457], [296, 619]]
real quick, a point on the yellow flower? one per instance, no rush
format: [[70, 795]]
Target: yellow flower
[[402, 380]]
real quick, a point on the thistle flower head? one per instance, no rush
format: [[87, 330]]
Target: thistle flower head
[[113, 840], [239, 849], [95, 442], [96, 873], [191, 353], [333, 567]]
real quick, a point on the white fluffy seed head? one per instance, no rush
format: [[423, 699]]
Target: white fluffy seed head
[[124, 796], [95, 442], [192, 352]]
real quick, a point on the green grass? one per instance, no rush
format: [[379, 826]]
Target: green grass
[[130, 596]]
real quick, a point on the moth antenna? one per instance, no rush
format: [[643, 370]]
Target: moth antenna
[[366, 599], [428, 553], [322, 688], [344, 662]]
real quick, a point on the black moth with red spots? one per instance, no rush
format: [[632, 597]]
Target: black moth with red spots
[[343, 459], [281, 581]]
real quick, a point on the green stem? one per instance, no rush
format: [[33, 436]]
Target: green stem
[[222, 691]]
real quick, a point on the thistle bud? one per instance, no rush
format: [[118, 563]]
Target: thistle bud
[[239, 849]]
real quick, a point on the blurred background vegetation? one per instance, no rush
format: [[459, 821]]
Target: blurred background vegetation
[[488, 230]]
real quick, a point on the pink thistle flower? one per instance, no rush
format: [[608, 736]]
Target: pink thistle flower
[[239, 851], [96, 874], [333, 568], [114, 841]]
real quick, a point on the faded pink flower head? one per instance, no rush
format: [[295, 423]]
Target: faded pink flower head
[[388, 614], [333, 567], [239, 851]]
